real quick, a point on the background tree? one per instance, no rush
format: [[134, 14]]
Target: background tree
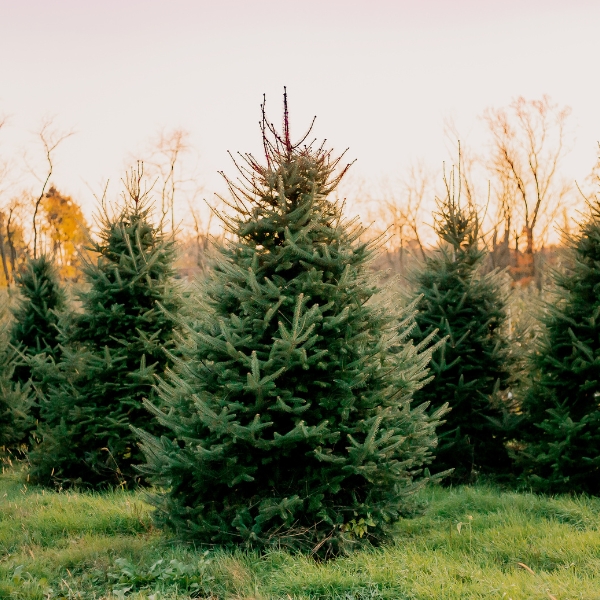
[[15, 399], [14, 234], [472, 368], [528, 144], [170, 161], [402, 210], [562, 408], [5, 273], [50, 138], [3, 251], [290, 420], [111, 352], [67, 230], [196, 247], [34, 330]]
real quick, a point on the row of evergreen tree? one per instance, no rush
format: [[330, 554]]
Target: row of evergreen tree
[[288, 400]]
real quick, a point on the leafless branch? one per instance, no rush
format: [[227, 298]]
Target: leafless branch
[[164, 160], [51, 138]]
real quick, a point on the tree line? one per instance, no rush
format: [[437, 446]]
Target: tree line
[[517, 178]]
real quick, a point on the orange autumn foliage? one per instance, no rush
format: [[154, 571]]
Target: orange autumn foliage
[[66, 230]]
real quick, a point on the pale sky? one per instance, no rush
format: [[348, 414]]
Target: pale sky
[[381, 76]]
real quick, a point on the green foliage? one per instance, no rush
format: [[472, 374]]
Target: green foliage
[[290, 419], [188, 578], [562, 430], [16, 399], [90, 546], [472, 368], [112, 350], [36, 317]]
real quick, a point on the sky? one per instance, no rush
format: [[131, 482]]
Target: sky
[[381, 76]]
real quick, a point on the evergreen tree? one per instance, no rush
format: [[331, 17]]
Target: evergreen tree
[[472, 368], [562, 428], [36, 318], [291, 421], [15, 398], [111, 352]]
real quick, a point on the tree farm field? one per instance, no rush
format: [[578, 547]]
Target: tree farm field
[[460, 543], [267, 432], [299, 305]]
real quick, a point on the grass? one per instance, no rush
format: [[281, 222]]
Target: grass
[[508, 545]]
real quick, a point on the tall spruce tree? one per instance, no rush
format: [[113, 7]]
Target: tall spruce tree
[[291, 422], [472, 368], [561, 433], [34, 330], [111, 353], [16, 399]]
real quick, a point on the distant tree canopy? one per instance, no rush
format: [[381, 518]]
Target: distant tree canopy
[[62, 230], [66, 231]]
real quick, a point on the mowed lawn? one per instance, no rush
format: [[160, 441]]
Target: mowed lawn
[[510, 545]]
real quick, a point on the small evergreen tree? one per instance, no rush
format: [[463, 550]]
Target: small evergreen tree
[[15, 398], [472, 368], [291, 422], [561, 433], [111, 352], [35, 329]]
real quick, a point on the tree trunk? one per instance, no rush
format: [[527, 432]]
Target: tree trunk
[[529, 262], [2, 252]]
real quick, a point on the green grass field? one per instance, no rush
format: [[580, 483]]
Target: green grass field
[[74, 545]]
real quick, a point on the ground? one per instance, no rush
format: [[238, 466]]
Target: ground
[[463, 543]]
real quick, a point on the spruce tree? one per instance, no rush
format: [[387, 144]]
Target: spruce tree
[[16, 399], [561, 434], [468, 309], [36, 317], [290, 420], [112, 350]]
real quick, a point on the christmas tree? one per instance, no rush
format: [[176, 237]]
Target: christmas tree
[[562, 429], [36, 318], [111, 352], [15, 398], [291, 422], [472, 368]]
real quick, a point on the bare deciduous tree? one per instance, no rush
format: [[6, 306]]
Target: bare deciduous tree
[[13, 228], [416, 188], [170, 161], [3, 251], [12, 235], [529, 141], [51, 138], [401, 209], [164, 161], [3, 173], [204, 236], [7, 218]]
